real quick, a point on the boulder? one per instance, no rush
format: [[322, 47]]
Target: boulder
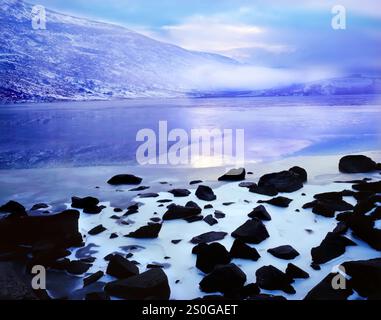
[[284, 181], [97, 230], [210, 220], [264, 190], [325, 291], [149, 231], [121, 268], [252, 231], [219, 214], [234, 175], [357, 164], [82, 203], [260, 213], [284, 252], [330, 248], [241, 250], [208, 237], [294, 272], [211, 255], [271, 278], [205, 193], [365, 277], [180, 192], [224, 278], [92, 278], [301, 172], [124, 179], [181, 212], [149, 285]]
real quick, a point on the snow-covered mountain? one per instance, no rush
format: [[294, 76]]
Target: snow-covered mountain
[[79, 59]]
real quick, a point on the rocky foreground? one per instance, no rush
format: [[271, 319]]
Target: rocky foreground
[[271, 239]]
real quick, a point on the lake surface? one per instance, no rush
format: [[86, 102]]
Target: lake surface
[[71, 134]]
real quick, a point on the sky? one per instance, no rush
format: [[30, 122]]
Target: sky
[[265, 33]]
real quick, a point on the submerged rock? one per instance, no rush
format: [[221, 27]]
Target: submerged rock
[[205, 193], [124, 179], [149, 285], [224, 278], [234, 175], [357, 164], [252, 231]]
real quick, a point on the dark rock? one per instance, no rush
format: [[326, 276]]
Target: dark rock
[[205, 193], [208, 237], [164, 201], [180, 192], [118, 210], [82, 203], [341, 228], [132, 209], [365, 276], [271, 278], [331, 247], [282, 202], [250, 289], [210, 220], [194, 219], [195, 182], [39, 206], [260, 213], [325, 291], [211, 255], [149, 231], [301, 172], [97, 230], [252, 231], [357, 164], [155, 266], [266, 297], [113, 236], [284, 181], [176, 241], [224, 278], [284, 252], [219, 214], [241, 250], [140, 188], [152, 285], [148, 195], [155, 219], [93, 210], [181, 212], [59, 229], [294, 272], [226, 204], [234, 175], [208, 206], [372, 187], [77, 267], [363, 228], [92, 278], [97, 296], [121, 268], [246, 184], [14, 208], [124, 179], [267, 190]]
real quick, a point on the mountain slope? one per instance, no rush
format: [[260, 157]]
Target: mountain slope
[[80, 59]]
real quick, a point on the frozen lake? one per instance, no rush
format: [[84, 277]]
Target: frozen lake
[[103, 133]]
